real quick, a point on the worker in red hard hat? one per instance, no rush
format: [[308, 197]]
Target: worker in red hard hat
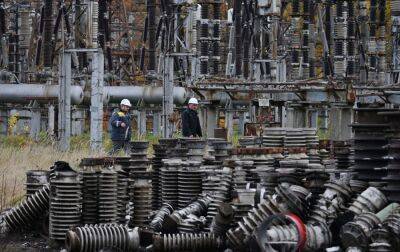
[[120, 122], [190, 120]]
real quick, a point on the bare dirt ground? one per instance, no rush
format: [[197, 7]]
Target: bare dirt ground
[[32, 242]]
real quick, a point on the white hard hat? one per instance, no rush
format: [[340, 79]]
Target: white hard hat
[[193, 101], [126, 102]]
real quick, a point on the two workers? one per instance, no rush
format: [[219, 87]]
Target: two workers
[[121, 132]]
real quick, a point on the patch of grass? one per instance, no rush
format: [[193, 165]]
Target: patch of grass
[[18, 154], [15, 161]]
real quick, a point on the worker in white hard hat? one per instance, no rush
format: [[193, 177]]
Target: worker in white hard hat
[[190, 120], [120, 122]]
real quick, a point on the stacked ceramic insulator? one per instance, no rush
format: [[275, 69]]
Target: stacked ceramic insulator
[[189, 183], [141, 200], [216, 184], [65, 204], [248, 167], [265, 156], [209, 152], [192, 224], [121, 165], [342, 155], [90, 191], [285, 200], [291, 170], [243, 201], [180, 150], [331, 202], [107, 196], [340, 39], [295, 45], [140, 191], [222, 220], [169, 181], [326, 160], [156, 162], [357, 233], [371, 200], [27, 212], [295, 138], [268, 178], [162, 150], [312, 144], [273, 137], [249, 141], [392, 179], [369, 146], [381, 240], [357, 187], [221, 149], [392, 224], [316, 177], [158, 219], [286, 237], [122, 195], [195, 210], [35, 180], [238, 175], [99, 191], [352, 52], [186, 242], [196, 149], [102, 237], [138, 151]]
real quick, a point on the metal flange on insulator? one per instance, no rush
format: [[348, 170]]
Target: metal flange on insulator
[[292, 234]]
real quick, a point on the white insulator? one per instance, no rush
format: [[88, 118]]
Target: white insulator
[[296, 40], [363, 8], [95, 23], [340, 30], [24, 31], [395, 7], [306, 71], [381, 46], [372, 46], [340, 66], [382, 63], [294, 75]]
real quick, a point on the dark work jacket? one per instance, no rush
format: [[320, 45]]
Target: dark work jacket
[[119, 133], [190, 123]]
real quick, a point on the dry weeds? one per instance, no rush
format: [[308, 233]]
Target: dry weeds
[[15, 161]]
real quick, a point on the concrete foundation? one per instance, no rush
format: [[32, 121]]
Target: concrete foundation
[[35, 121]]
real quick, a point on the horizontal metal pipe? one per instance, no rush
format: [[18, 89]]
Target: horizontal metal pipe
[[23, 93], [150, 95]]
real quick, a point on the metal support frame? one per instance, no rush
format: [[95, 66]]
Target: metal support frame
[[35, 121], [229, 121], [141, 121], [211, 122], [168, 99], [156, 123], [51, 120], [96, 107], [64, 102]]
